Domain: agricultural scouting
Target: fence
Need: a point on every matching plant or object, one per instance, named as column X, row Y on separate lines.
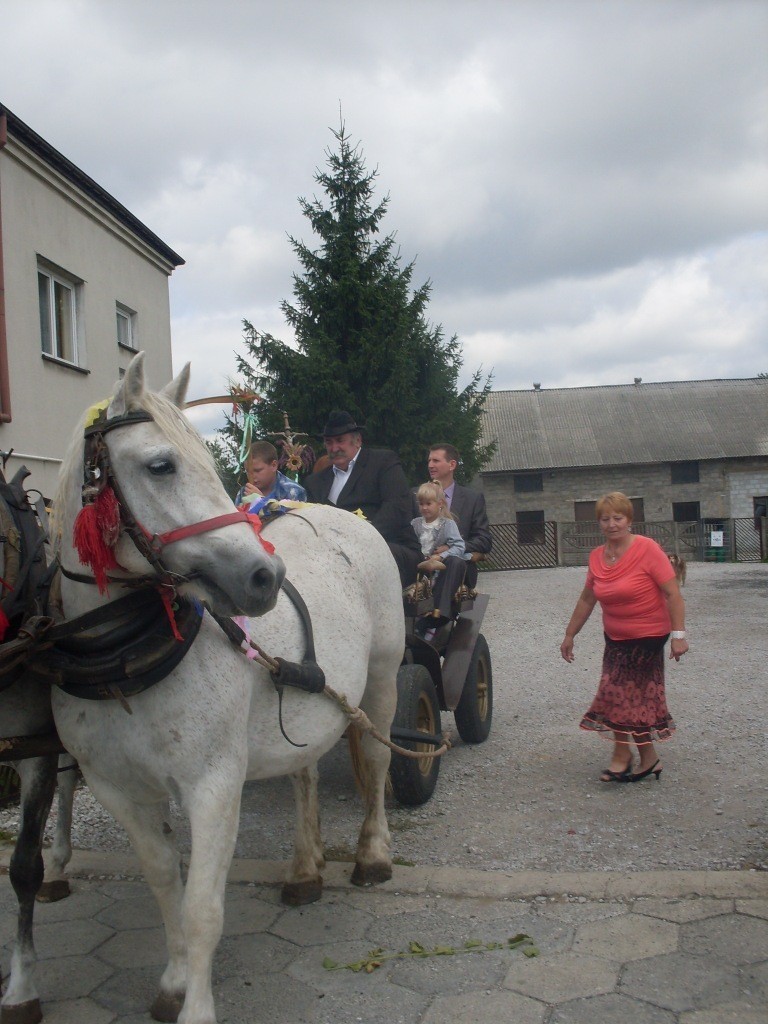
column 545, row 545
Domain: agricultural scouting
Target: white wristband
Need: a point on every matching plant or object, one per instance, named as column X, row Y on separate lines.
column 677, row 634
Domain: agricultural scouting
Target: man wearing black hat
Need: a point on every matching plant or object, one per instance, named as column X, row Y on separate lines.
column 371, row 481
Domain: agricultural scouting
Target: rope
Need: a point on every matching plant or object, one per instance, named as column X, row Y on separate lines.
column 357, row 717
column 361, row 721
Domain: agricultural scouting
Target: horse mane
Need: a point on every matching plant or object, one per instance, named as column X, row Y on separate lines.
column 174, row 426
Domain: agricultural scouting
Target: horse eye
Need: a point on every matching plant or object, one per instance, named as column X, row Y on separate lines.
column 162, row 467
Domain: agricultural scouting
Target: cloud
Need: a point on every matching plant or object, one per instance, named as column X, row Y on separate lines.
column 585, row 184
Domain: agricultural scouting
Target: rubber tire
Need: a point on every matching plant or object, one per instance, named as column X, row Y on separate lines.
column 474, row 712
column 414, row 781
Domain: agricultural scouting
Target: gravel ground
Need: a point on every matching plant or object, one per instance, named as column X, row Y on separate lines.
column 530, row 797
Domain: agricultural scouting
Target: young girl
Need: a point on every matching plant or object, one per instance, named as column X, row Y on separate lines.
column 442, row 547
column 436, row 528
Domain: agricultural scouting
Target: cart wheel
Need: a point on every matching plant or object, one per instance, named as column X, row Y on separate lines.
column 474, row 711
column 414, row 780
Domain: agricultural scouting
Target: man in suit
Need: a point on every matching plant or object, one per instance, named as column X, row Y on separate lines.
column 467, row 505
column 371, row 481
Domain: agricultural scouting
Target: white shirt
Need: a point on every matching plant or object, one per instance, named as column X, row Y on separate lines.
column 340, row 477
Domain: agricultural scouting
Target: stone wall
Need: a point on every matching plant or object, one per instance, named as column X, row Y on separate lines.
column 725, row 490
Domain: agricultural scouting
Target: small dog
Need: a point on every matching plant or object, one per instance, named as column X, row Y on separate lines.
column 678, row 564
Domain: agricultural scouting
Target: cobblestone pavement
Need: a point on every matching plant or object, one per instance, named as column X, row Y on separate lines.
column 659, row 947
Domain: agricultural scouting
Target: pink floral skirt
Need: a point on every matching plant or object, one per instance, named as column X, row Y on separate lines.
column 631, row 697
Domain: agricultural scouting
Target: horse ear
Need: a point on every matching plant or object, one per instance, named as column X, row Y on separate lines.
column 176, row 390
column 130, row 389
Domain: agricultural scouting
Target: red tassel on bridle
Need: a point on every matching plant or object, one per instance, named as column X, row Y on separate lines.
column 96, row 531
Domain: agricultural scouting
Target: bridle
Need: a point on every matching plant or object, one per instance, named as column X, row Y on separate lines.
column 98, row 475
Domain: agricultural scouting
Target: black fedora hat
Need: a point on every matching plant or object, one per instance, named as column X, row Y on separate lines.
column 340, row 422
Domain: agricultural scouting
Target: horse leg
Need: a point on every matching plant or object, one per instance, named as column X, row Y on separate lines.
column 149, row 829
column 55, row 884
column 304, row 883
column 373, row 859
column 214, row 815
column 20, row 1004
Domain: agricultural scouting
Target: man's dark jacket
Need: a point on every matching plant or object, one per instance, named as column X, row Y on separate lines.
column 469, row 508
column 378, row 487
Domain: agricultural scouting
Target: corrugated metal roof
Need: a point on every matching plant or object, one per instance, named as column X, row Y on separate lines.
column 626, row 424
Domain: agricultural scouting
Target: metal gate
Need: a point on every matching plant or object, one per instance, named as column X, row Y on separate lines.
column 522, row 546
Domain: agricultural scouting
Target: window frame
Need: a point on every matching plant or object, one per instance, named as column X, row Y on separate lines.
column 528, row 483
column 684, row 472
column 50, row 280
column 129, row 316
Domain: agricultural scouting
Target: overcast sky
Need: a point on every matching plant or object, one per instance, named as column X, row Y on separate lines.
column 584, row 182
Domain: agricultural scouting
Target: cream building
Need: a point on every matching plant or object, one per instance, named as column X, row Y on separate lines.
column 83, row 287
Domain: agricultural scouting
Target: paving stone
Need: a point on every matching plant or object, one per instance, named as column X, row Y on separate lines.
column 622, row 939
column 241, row 1001
column 83, row 903
column 753, row 908
column 682, row 910
column 582, row 913
column 252, row 955
column 140, row 912
column 680, row 981
column 69, row 938
column 248, row 913
column 442, row 926
column 457, row 974
column 307, row 966
column 736, row 939
column 754, row 982
column 386, row 903
column 77, row 1011
column 728, row 1013
column 610, row 1009
column 386, row 1004
column 129, row 991
column 489, row 1007
column 563, row 977
column 135, row 948
column 70, row 977
column 319, row 922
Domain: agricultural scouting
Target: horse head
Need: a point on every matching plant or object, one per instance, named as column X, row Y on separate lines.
column 167, row 513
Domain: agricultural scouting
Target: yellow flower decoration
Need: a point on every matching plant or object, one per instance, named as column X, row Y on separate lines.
column 95, row 410
column 360, row 514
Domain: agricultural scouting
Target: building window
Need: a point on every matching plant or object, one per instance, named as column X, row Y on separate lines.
column 126, row 327
column 530, row 527
column 760, row 509
column 525, row 483
column 684, row 472
column 58, row 297
column 686, row 511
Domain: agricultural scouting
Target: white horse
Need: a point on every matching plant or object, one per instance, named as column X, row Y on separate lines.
column 213, row 722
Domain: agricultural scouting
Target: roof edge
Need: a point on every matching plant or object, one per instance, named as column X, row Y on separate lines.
column 21, row 131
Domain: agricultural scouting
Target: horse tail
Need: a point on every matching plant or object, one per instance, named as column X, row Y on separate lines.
column 359, row 764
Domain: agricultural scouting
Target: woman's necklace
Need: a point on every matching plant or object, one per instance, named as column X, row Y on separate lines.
column 612, row 555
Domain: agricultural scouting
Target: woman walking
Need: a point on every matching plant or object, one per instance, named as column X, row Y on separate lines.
column 636, row 587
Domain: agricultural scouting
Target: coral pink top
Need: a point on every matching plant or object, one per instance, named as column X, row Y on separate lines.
column 629, row 591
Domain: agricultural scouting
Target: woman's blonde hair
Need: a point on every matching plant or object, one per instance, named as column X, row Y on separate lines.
column 614, row 502
column 433, row 491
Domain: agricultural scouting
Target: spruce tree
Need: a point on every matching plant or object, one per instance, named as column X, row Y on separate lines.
column 362, row 339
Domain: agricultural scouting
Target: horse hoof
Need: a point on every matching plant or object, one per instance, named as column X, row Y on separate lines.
column 22, row 1013
column 371, row 874
column 167, row 1007
column 52, row 892
column 298, row 894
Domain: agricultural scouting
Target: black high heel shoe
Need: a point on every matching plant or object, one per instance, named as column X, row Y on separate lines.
column 653, row 770
column 624, row 776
